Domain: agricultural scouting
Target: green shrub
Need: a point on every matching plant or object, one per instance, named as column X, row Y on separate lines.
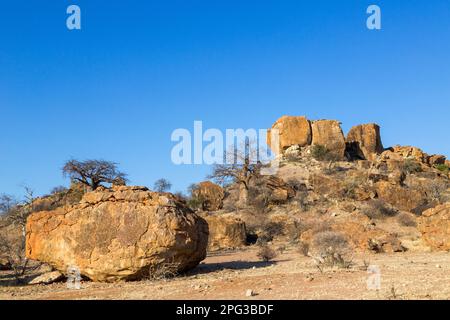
column 442, row 167
column 320, row 153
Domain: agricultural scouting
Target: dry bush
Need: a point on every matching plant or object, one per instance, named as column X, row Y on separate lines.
column 378, row 209
column 411, row 166
column 303, row 248
column 267, row 231
column 163, row 271
column 436, row 190
column 333, row 249
column 406, row 220
column 266, row 254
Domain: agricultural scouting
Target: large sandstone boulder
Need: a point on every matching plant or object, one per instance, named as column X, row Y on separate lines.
column 365, row 141
column 292, row 131
column 328, row 133
column 434, row 224
column 211, row 195
column 225, row 231
column 118, row 234
column 402, row 198
column 408, row 152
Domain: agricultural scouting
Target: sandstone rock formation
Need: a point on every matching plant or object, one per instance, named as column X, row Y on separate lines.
column 412, row 153
column 118, row 234
column 436, row 159
column 365, row 141
column 210, row 194
column 225, row 231
column 434, row 224
column 292, row 131
column 280, row 191
column 328, row 133
column 400, row 197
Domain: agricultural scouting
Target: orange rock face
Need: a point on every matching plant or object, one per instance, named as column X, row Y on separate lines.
column 400, row 197
column 118, row 234
column 411, row 152
column 328, row 133
column 211, row 194
column 292, row 131
column 434, row 224
column 366, row 140
column 225, row 231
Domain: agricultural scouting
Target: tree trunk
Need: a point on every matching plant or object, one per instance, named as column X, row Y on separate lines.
column 243, row 194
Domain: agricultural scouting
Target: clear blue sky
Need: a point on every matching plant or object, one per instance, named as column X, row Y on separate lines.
column 140, row 69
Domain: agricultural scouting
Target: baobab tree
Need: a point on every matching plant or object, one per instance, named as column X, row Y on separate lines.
column 93, row 173
column 241, row 165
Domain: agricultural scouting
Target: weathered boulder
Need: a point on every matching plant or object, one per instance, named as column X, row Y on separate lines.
column 365, row 141
column 434, row 224
column 280, row 191
column 118, row 234
column 436, row 159
column 210, row 194
column 402, row 198
column 328, row 133
column 292, row 131
column 408, row 152
column 47, row 278
column 225, row 231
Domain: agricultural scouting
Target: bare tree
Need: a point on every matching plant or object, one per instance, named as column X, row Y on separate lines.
column 93, row 173
column 12, row 243
column 162, row 185
column 7, row 202
column 241, row 165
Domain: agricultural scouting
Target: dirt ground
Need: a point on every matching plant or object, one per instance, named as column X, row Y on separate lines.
column 228, row 275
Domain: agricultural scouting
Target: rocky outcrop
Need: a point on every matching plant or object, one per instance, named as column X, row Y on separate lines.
column 292, row 131
column 436, row 159
column 118, row 234
column 402, row 198
column 210, row 194
column 361, row 234
column 280, row 191
column 364, row 141
column 408, row 152
column 328, row 133
column 225, row 231
column 434, row 224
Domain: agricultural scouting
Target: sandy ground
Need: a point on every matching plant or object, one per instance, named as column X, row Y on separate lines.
column 228, row 275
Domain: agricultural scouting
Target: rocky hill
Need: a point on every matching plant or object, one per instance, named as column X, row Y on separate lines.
column 333, row 196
